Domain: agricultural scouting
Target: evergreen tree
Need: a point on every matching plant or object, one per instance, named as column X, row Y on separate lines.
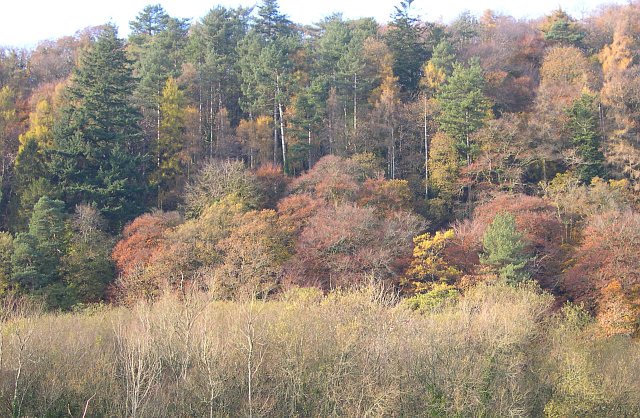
column 463, row 107
column 266, row 68
column 213, row 50
column 95, row 156
column 30, row 166
column 559, row 27
column 409, row 49
column 157, row 44
column 37, row 253
column 585, row 138
column 504, row 249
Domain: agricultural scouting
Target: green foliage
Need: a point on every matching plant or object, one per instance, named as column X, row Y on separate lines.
column 586, row 138
column 87, row 265
column 95, row 156
column 37, row 253
column 504, row 249
column 463, row 107
column 405, row 40
column 6, row 252
column 561, row 28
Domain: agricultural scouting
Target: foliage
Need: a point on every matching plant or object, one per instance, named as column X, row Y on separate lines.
column 438, row 296
column 463, row 107
column 428, row 267
column 504, row 249
column 95, row 156
column 586, row 139
column 217, row 179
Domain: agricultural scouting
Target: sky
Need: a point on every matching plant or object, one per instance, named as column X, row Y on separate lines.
column 25, row 22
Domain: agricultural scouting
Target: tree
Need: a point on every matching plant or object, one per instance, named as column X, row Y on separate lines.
column 463, row 107
column 428, row 266
column 95, row 156
column 37, row 253
column 8, row 133
column 504, row 249
column 444, row 169
column 87, row 266
column 559, row 27
column 605, row 276
column 405, row 40
column 213, row 50
column 254, row 253
column 6, row 252
column 266, row 68
column 170, row 146
column 217, row 180
column 31, row 163
column 583, row 124
column 141, row 238
column 157, row 44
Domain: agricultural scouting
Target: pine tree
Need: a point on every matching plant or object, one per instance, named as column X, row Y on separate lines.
column 37, row 253
column 95, row 156
column 504, row 249
column 266, row 68
column 585, row 138
column 463, row 107
column 405, row 41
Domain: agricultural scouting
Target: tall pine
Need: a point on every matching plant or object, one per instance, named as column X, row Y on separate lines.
column 96, row 147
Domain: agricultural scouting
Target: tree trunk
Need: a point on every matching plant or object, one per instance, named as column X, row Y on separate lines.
column 426, row 152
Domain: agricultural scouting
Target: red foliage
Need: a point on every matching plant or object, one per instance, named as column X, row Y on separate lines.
column 141, row 239
column 294, row 211
column 331, row 178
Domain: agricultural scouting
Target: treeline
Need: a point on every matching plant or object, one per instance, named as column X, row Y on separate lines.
column 245, row 154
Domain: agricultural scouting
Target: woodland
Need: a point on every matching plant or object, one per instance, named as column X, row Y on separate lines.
column 240, row 215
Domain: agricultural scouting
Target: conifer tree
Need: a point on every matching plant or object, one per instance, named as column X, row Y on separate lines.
column 37, row 253
column 585, row 138
column 504, row 249
column 95, row 156
column 405, row 41
column 464, row 107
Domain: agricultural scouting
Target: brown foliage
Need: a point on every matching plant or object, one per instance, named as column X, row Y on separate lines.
column 271, row 183
column 606, row 271
column 345, row 245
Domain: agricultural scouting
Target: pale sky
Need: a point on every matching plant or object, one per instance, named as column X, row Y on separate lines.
column 25, row 22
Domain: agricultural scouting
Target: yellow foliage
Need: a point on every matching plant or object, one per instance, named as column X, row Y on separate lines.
column 617, row 56
column 433, row 77
column 428, row 265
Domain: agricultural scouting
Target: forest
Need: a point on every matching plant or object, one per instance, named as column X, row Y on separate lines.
column 240, row 215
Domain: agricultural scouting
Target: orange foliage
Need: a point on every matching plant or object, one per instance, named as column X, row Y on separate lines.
column 141, row 239
column 386, row 195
